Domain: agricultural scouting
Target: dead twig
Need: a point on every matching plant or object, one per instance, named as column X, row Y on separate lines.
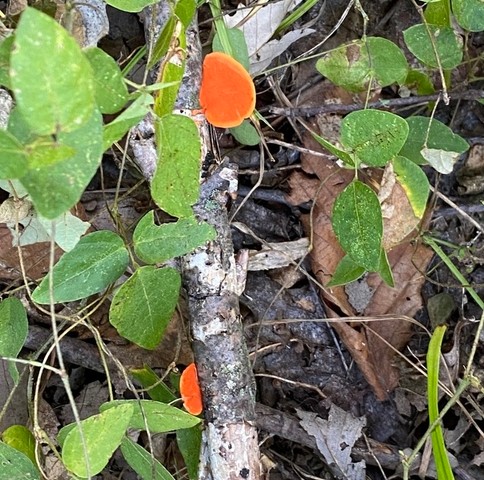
column 383, row 104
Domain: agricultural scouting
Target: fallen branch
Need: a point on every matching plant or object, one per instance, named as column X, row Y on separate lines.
column 384, row 104
column 230, row 450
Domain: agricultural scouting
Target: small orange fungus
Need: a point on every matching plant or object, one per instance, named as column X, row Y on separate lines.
column 227, row 94
column 190, row 390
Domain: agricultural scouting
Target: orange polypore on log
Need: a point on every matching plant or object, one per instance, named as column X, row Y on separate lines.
column 227, row 94
column 190, row 390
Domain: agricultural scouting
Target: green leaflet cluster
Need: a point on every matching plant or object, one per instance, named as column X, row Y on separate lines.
column 49, row 152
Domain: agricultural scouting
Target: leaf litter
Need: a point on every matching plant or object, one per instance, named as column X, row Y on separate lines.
column 298, row 348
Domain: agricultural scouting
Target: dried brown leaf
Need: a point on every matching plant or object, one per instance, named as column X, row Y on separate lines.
column 35, row 258
column 399, row 219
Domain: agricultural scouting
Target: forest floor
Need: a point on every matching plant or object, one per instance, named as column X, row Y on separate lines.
column 311, row 389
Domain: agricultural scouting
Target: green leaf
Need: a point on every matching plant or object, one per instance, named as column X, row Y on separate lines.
column 102, row 435
column 237, row 42
column 19, row 127
column 151, row 382
column 358, row 224
column 385, row 270
column 159, row 417
column 143, row 306
column 51, row 79
column 144, row 464
column 373, row 136
column 46, row 152
column 347, row 271
column 341, row 154
column 430, row 133
column 13, row 331
column 469, row 14
column 13, row 157
column 175, row 185
column 16, row 465
column 111, row 92
column 246, row 134
column 5, row 51
column 447, row 44
column 185, row 10
column 55, row 188
column 354, row 65
column 163, row 41
column 189, row 442
column 130, row 5
column 115, row 130
column 419, row 82
column 156, row 244
column 98, row 260
column 22, row 439
column 415, row 183
column 442, row 463
column 438, row 13
column 172, row 74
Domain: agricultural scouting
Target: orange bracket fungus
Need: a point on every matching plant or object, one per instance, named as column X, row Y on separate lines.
column 190, row 390
column 227, row 94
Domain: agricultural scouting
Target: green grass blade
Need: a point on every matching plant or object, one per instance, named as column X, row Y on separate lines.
column 442, row 464
column 296, row 15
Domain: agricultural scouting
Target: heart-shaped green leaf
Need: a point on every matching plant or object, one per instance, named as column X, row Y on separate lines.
column 354, row 65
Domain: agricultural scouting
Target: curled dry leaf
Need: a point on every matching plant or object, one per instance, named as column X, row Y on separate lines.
column 335, row 438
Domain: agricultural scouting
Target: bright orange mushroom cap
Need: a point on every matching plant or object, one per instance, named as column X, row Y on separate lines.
column 227, row 94
column 190, row 390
